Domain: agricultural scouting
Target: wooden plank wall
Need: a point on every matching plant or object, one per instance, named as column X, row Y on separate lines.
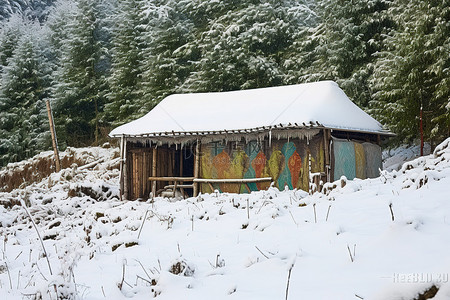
column 139, row 167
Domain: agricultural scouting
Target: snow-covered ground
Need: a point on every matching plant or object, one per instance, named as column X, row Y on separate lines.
column 383, row 238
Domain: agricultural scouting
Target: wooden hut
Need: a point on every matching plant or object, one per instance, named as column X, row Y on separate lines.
column 241, row 141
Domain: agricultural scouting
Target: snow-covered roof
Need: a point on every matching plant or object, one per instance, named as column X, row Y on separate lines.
column 317, row 104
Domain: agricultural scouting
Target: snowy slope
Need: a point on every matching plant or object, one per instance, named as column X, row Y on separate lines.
column 340, row 245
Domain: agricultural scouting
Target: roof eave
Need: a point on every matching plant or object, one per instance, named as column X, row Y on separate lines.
column 311, row 125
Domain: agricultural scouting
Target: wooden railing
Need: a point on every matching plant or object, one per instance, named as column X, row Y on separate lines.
column 209, row 181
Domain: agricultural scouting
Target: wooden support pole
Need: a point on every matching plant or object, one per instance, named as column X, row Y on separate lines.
column 175, row 183
column 121, row 168
column 326, row 144
column 125, row 170
column 154, row 156
column 181, row 162
column 53, row 132
column 196, row 168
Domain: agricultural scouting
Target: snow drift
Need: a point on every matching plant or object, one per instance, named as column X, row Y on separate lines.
column 383, row 238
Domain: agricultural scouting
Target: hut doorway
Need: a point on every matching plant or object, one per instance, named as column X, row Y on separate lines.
column 185, row 162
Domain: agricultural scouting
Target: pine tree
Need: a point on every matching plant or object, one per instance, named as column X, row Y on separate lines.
column 33, row 9
column 25, row 86
column 80, row 84
column 168, row 54
column 342, row 45
column 243, row 46
column 414, row 71
column 125, row 95
column 10, row 32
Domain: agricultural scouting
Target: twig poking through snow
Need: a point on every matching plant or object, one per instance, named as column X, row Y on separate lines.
column 143, row 221
column 350, row 253
column 392, row 212
column 37, row 231
column 261, row 252
column 9, row 275
column 293, row 218
column 315, row 215
column 328, row 212
column 289, row 279
column 123, row 276
column 144, row 269
column 248, row 210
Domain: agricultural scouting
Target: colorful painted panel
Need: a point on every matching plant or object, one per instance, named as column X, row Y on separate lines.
column 360, row 161
column 373, row 160
column 344, row 159
column 286, row 161
column 353, row 159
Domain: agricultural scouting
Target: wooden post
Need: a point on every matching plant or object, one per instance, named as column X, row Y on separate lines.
column 196, row 167
column 54, row 140
column 125, row 171
column 154, row 156
column 326, row 143
column 181, row 162
column 121, row 168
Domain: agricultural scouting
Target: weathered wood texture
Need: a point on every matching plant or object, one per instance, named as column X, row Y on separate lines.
column 233, row 180
column 53, row 133
column 196, row 168
column 144, row 163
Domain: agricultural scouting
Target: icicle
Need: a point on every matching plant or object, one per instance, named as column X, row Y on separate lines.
column 270, row 138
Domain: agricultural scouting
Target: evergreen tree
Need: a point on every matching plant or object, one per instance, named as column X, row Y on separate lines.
column 33, row 9
column 168, row 54
column 414, row 71
column 342, row 45
column 80, row 84
column 10, row 32
column 243, row 44
column 125, row 96
column 24, row 89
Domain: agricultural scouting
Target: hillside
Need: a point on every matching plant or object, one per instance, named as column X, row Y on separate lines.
column 382, row 238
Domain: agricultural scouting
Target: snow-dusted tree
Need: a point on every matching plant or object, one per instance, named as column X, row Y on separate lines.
column 125, row 95
column 24, row 89
column 342, row 45
column 243, row 43
column 167, row 58
column 414, row 71
column 33, row 9
column 10, row 32
column 80, row 83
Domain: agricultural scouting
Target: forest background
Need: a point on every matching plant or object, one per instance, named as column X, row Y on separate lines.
column 102, row 63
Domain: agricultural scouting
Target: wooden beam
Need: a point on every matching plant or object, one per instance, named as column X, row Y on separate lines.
column 181, row 186
column 232, row 180
column 170, row 178
column 196, row 168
